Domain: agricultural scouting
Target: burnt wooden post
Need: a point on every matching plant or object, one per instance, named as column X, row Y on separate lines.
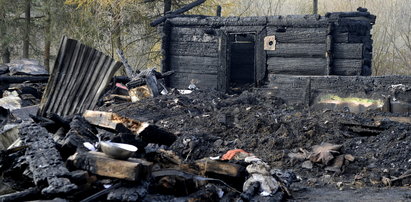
column 315, row 6
column 329, row 53
column 177, row 12
column 260, row 57
column 218, row 13
column 223, row 71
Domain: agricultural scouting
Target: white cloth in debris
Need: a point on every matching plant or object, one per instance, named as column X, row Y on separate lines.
column 260, row 172
column 10, row 100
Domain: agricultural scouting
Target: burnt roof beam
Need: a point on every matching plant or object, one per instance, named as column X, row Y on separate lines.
column 176, row 12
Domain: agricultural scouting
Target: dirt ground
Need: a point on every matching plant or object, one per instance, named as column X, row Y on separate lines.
column 214, row 123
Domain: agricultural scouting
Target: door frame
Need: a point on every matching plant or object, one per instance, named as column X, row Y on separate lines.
column 260, row 57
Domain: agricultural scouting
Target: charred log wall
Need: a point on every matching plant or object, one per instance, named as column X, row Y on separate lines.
column 335, row 44
column 352, row 43
column 193, row 55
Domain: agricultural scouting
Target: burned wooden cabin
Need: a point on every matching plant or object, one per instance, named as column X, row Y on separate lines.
column 221, row 52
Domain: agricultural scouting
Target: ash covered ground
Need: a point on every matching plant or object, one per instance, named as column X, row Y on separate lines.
column 211, row 123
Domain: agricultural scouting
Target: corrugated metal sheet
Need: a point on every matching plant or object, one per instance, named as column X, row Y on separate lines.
column 79, row 77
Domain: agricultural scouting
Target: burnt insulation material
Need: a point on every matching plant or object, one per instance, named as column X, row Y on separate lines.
column 79, row 77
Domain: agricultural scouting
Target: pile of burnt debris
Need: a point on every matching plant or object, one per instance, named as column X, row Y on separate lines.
column 75, row 158
column 56, row 148
column 84, row 135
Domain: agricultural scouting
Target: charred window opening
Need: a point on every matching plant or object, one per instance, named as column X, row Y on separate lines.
column 242, row 59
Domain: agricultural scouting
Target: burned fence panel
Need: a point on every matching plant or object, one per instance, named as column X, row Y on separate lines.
column 79, row 76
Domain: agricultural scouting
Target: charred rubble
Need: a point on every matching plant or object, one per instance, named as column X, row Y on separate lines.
column 81, row 134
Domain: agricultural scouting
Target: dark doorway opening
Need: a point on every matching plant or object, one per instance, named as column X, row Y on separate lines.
column 242, row 59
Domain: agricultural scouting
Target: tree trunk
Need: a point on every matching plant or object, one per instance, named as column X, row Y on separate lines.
column 4, row 48
column 167, row 6
column 116, row 34
column 26, row 40
column 5, row 54
column 47, row 40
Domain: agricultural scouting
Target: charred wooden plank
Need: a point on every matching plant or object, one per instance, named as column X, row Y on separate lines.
column 347, row 37
column 194, row 49
column 298, row 35
column 21, row 79
column 149, row 133
column 348, row 50
column 100, row 164
column 297, row 66
column 298, row 21
column 129, row 71
column 223, row 70
column 27, row 194
column 217, row 21
column 298, row 50
column 42, row 155
column 182, row 80
column 45, row 161
column 141, row 81
column 347, row 67
column 194, row 64
column 221, row 168
column 260, row 57
column 192, row 34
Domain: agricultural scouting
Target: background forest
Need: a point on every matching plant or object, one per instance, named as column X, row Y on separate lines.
column 33, row 28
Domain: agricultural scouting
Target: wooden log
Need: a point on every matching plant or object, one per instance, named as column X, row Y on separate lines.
column 148, row 132
column 221, row 168
column 24, row 195
column 141, row 81
column 151, row 82
column 45, row 161
column 193, row 34
column 129, row 71
column 42, row 155
column 182, row 80
column 194, row 49
column 112, row 121
column 21, row 79
column 313, row 21
column 348, row 50
column 217, row 21
column 100, row 164
column 298, row 35
column 177, row 12
column 297, row 66
column 128, row 193
column 347, row 67
column 346, row 37
column 193, row 64
column 298, row 50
